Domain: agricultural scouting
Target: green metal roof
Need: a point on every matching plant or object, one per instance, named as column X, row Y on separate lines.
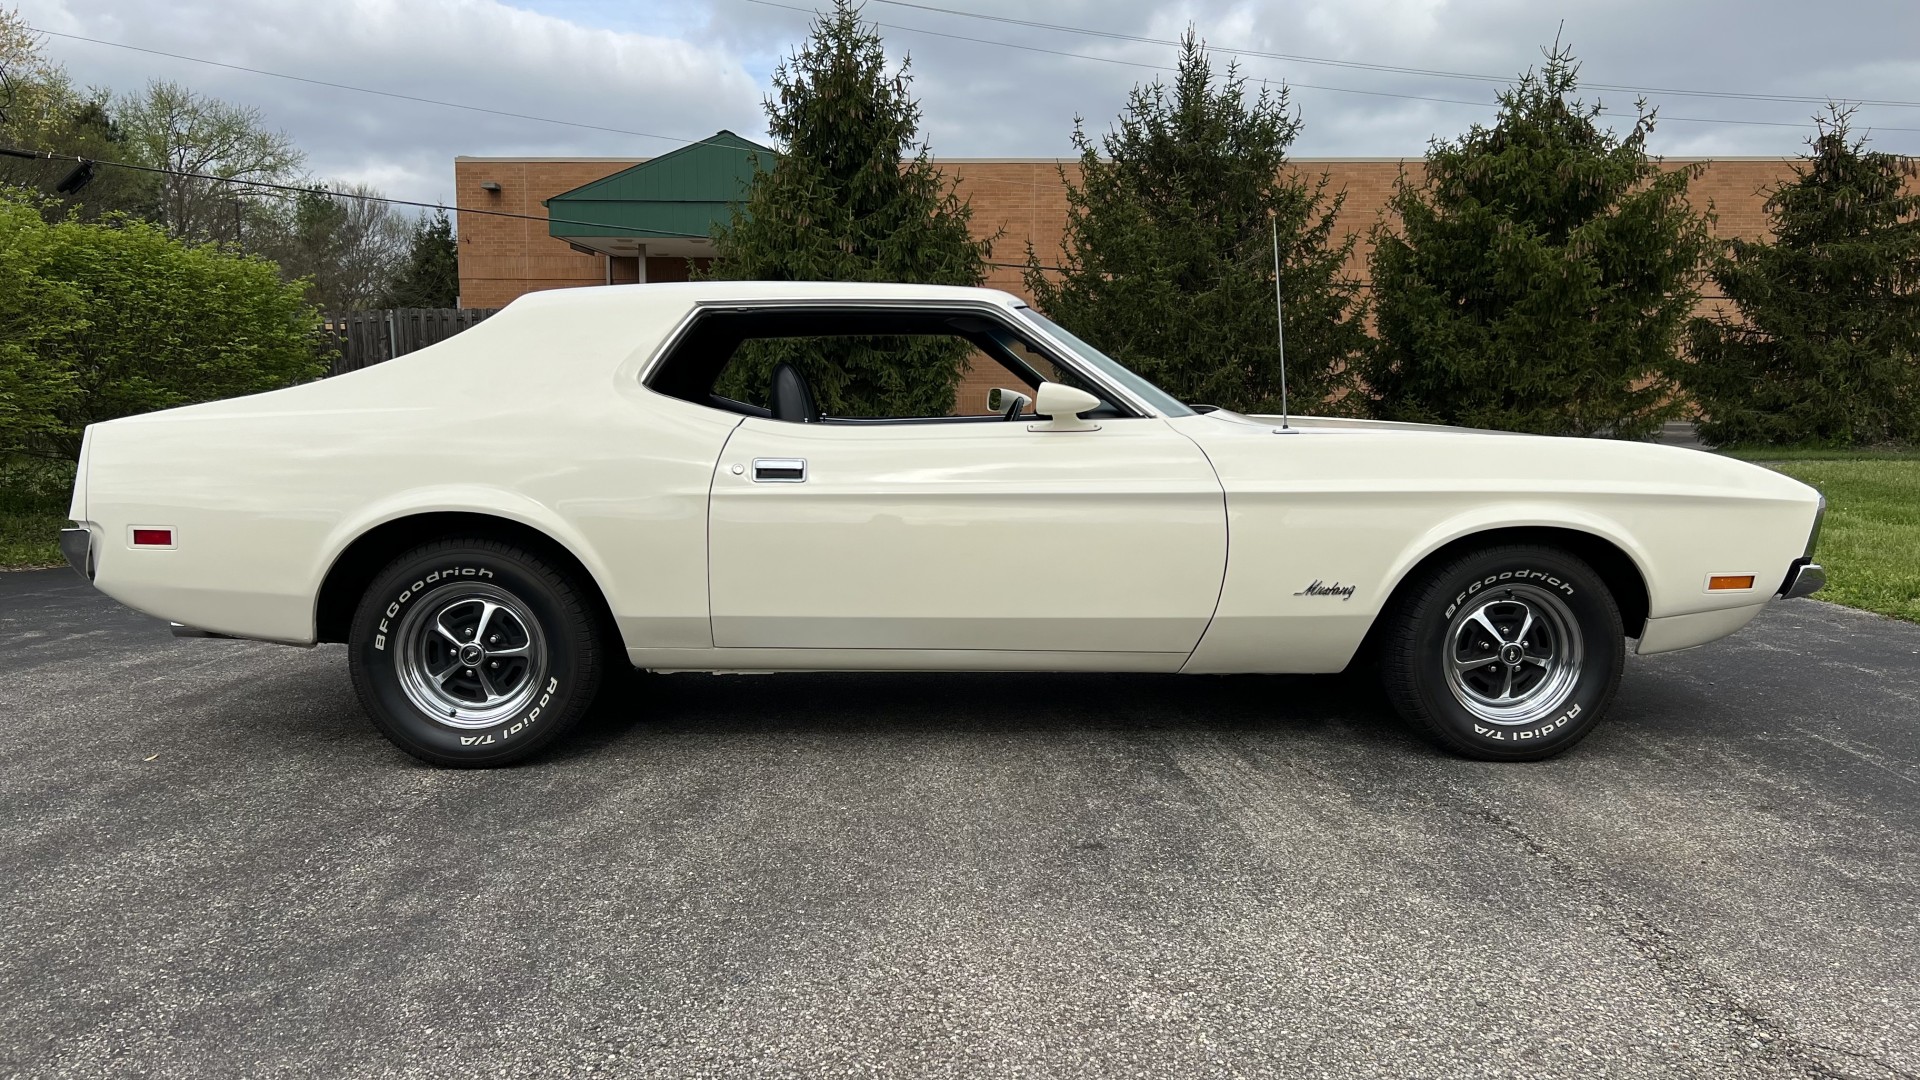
column 682, row 193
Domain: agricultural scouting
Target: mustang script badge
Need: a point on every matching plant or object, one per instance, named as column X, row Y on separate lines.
column 1320, row 588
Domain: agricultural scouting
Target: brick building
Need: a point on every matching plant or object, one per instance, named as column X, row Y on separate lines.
column 597, row 221
column 634, row 219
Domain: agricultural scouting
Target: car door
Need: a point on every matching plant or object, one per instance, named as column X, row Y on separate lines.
column 934, row 537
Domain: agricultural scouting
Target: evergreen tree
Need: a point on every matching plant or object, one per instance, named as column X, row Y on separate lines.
column 430, row 276
column 1168, row 255
column 845, row 202
column 1541, row 273
column 1825, row 344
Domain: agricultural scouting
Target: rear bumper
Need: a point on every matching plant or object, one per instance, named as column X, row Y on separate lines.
column 1804, row 578
column 77, row 545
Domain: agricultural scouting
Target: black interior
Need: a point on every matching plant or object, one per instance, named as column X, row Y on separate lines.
column 790, row 397
column 690, row 370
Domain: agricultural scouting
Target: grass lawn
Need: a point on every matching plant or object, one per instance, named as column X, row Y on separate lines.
column 1871, row 543
column 1776, row 455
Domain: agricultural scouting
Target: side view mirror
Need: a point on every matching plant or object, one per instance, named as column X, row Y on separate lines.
column 1063, row 405
column 1010, row 403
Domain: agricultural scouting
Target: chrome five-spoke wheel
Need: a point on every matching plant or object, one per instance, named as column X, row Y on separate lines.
column 470, row 654
column 1513, row 654
column 473, row 652
column 1509, row 653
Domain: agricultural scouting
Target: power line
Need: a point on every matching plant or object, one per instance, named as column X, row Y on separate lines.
column 1115, row 35
column 39, row 155
column 7, row 96
column 959, row 171
column 1802, row 125
column 1117, row 60
column 367, row 90
column 682, row 142
column 685, row 142
column 1796, row 98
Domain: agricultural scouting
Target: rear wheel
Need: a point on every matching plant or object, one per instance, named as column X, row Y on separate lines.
column 1507, row 654
column 475, row 653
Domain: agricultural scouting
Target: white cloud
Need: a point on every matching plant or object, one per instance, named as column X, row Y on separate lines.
column 476, row 52
column 688, row 67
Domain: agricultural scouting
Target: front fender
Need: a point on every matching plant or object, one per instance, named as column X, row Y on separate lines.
column 1518, row 514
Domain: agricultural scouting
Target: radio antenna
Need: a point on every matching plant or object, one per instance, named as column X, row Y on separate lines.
column 1280, row 327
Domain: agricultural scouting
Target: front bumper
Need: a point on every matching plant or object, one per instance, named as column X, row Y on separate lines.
column 77, row 545
column 1804, row 578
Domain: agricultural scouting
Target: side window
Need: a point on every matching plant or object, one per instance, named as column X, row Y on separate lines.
column 819, row 365
column 871, row 376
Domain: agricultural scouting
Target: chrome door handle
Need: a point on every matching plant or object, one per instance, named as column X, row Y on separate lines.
column 779, row 470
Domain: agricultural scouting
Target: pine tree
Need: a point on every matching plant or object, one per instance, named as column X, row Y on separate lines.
column 1824, row 346
column 1541, row 273
column 430, row 276
column 1168, row 257
column 844, row 201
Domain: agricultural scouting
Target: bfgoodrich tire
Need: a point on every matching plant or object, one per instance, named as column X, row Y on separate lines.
column 1507, row 654
column 474, row 653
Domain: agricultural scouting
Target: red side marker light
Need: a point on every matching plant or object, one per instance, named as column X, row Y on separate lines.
column 153, row 538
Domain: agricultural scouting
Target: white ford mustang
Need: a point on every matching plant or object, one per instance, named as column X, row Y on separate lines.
column 496, row 524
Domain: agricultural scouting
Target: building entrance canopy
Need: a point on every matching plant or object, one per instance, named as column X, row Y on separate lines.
column 665, row 207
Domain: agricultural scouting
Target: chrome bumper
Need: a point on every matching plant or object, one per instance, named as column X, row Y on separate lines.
column 1805, row 578
column 77, row 546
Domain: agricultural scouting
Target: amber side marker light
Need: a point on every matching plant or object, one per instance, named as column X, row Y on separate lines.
column 1726, row 582
column 153, row 538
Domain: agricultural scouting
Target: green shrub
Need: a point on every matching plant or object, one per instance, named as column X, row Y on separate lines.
column 102, row 320
column 34, row 493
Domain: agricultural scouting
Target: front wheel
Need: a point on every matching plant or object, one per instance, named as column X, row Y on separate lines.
column 1507, row 654
column 474, row 653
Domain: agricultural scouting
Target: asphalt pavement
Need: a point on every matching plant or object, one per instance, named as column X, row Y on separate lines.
column 211, row 865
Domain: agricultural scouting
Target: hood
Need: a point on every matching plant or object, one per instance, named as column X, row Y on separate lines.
column 1404, row 451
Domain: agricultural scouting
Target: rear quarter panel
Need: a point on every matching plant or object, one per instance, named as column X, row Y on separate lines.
column 536, row 416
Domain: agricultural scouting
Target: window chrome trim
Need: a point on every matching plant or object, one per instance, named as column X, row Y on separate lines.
column 1003, row 313
column 1061, row 346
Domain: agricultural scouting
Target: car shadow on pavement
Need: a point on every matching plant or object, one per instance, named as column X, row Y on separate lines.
column 847, row 703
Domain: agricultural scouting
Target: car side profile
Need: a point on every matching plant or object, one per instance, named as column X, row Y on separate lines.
column 643, row 476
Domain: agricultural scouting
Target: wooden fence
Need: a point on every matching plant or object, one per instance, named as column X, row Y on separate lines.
column 355, row 339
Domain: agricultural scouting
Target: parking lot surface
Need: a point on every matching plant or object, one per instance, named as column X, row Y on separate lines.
column 213, row 866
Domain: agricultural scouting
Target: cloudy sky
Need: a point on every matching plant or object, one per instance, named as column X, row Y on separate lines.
column 637, row 77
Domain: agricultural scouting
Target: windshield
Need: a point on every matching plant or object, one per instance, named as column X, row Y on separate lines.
column 1106, row 365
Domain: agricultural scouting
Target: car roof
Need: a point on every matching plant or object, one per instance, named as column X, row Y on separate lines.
column 692, row 292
